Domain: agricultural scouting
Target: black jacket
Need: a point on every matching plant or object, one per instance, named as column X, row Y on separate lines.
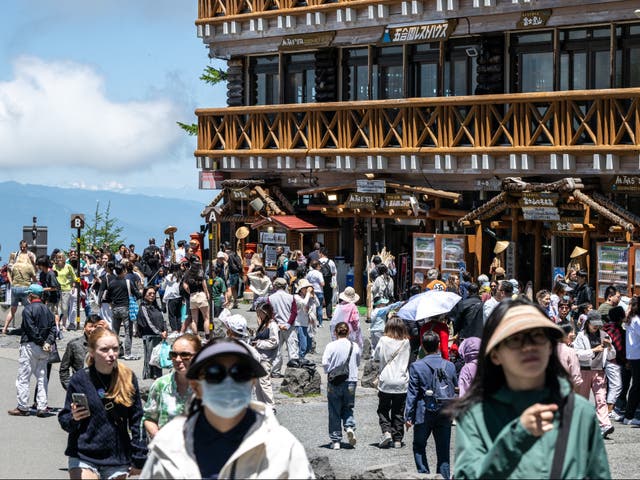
column 38, row 324
column 118, row 294
column 150, row 320
column 74, row 357
column 467, row 317
column 583, row 294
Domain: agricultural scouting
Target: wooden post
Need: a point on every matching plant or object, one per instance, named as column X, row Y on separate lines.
column 514, row 239
column 358, row 253
column 478, row 249
column 586, row 238
column 537, row 257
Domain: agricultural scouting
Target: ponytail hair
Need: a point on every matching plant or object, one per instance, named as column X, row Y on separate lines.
column 121, row 389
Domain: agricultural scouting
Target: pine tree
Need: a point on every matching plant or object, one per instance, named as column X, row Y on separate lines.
column 103, row 230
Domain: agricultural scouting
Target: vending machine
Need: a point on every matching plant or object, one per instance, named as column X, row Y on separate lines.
column 447, row 253
column 618, row 264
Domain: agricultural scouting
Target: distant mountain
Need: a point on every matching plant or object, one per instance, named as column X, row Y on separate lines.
column 140, row 216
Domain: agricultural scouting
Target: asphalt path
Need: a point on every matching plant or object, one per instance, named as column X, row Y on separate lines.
column 34, row 447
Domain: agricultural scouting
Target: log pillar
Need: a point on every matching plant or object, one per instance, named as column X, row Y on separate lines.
column 478, row 249
column 358, row 268
column 514, row 239
column 537, row 257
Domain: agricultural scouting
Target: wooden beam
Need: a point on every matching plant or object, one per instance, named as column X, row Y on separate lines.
column 269, row 201
column 425, row 190
column 537, row 255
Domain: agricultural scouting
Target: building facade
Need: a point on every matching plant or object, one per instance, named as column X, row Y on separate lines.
column 449, row 96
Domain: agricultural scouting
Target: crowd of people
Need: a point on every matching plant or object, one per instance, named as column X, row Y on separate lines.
column 503, row 363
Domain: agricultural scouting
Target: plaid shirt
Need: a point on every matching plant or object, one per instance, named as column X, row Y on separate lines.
column 617, row 339
column 164, row 402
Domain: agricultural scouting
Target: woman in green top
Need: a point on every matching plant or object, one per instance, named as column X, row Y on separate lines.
column 509, row 420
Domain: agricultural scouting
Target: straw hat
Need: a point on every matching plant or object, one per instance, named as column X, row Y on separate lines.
column 577, row 252
column 302, row 283
column 349, row 295
column 501, row 246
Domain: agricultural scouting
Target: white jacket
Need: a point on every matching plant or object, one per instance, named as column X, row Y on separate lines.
column 587, row 357
column 393, row 373
column 268, row 451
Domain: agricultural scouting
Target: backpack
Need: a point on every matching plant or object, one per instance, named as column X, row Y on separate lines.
column 325, row 269
column 52, row 280
column 441, row 386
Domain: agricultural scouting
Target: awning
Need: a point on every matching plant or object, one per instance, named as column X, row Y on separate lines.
column 290, row 222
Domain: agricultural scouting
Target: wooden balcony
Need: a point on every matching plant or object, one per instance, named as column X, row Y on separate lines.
column 572, row 122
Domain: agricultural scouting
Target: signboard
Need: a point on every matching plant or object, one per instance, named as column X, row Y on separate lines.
column 370, row 186
column 423, row 32
column 276, row 238
column 567, row 224
column 626, row 183
column 489, row 184
column 541, row 199
column 210, row 215
column 238, row 195
column 306, row 41
column 534, row 19
column 362, row 200
column 77, row 220
column 540, row 213
column 400, row 201
column 209, row 180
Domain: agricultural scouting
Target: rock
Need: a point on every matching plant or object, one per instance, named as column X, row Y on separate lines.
column 299, row 382
column 369, row 374
column 366, row 349
column 322, row 468
column 393, row 470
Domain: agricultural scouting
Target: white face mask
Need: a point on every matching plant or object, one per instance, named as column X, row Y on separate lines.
column 227, row 398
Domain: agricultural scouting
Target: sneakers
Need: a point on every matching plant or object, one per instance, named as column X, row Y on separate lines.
column 397, row 444
column 351, row 437
column 607, row 430
column 335, row 446
column 618, row 417
column 634, row 422
column 385, row 440
column 131, row 357
column 16, row 412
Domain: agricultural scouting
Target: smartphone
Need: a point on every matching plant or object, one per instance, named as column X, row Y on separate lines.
column 80, row 399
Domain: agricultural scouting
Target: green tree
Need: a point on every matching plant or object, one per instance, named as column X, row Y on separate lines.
column 101, row 230
column 211, row 76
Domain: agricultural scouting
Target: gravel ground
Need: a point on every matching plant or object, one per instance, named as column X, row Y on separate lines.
column 307, row 420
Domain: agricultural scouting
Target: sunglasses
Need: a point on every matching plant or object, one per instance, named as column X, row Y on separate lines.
column 238, row 372
column 183, row 355
column 536, row 336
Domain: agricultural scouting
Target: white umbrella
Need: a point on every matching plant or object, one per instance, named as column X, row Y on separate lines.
column 428, row 304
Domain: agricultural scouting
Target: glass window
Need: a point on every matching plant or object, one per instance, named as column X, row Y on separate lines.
column 264, row 81
column 425, row 71
column 460, row 69
column 532, row 61
column 355, row 74
column 300, row 78
column 585, row 58
column 387, row 75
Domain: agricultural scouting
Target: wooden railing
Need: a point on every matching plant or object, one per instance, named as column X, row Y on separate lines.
column 214, row 11
column 585, row 121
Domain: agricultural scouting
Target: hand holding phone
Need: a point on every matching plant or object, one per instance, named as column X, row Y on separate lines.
column 80, row 399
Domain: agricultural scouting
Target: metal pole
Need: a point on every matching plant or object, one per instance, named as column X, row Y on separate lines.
column 79, row 282
column 211, row 266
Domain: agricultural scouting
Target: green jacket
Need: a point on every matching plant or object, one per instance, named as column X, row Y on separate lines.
column 492, row 443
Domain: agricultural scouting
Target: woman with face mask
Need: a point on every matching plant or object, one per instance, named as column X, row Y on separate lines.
column 225, row 434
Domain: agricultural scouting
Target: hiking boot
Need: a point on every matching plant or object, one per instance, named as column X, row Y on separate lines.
column 385, row 440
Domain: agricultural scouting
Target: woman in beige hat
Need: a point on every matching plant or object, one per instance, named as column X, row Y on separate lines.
column 498, row 260
column 346, row 311
column 508, row 422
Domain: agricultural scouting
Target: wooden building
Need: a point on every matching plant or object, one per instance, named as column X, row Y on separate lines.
column 448, row 95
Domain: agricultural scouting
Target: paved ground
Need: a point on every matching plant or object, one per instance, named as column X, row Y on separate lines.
column 34, row 447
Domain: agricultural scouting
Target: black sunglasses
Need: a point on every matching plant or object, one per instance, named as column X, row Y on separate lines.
column 183, row 355
column 238, row 372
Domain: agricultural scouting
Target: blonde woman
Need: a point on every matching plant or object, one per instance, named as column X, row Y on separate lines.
column 102, row 414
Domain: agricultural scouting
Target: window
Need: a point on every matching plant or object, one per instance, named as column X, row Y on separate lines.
column 424, row 69
column 387, row 74
column 355, row 76
column 460, row 69
column 300, row 78
column 585, row 59
column 264, row 81
column 532, row 59
column 628, row 57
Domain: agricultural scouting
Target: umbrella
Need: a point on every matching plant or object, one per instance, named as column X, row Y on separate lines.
column 428, row 304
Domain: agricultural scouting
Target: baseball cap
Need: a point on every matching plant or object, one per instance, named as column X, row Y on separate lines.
column 35, row 289
column 594, row 318
column 221, row 255
column 237, row 324
column 219, row 347
column 279, row 282
column 518, row 319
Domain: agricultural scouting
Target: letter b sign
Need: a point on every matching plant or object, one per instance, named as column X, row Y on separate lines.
column 77, row 220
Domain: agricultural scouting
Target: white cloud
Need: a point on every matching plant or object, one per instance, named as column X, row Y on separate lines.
column 56, row 114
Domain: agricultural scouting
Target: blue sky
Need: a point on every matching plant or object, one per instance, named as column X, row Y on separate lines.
column 90, row 91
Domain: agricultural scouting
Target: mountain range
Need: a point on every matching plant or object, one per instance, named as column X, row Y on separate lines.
column 140, row 216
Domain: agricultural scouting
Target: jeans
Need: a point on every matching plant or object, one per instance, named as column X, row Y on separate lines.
column 320, row 297
column 19, row 295
column 614, row 380
column 121, row 317
column 391, row 414
column 304, row 341
column 340, row 400
column 634, row 391
column 440, row 426
column 621, row 404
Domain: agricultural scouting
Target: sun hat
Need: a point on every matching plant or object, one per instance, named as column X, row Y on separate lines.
column 518, row 319
column 349, row 295
column 500, row 271
column 501, row 246
column 221, row 255
column 302, row 283
column 577, row 252
column 237, row 324
column 380, row 301
column 35, row 289
column 210, row 352
column 280, row 282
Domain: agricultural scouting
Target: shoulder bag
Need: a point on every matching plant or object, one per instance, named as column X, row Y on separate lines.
column 395, row 354
column 563, row 437
column 340, row 374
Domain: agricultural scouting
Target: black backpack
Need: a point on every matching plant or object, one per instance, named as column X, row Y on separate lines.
column 325, row 269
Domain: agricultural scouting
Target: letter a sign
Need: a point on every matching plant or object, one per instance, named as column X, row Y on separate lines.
column 77, row 220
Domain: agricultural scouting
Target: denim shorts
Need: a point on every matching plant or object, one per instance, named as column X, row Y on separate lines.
column 103, row 471
column 19, row 295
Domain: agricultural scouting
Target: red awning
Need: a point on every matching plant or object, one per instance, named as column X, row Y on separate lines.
column 290, row 222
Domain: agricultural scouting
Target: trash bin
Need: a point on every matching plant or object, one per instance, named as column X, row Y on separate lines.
column 349, row 281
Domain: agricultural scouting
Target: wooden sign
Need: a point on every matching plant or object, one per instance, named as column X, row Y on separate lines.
column 362, row 200
column 77, row 220
column 306, row 41
column 626, row 183
column 370, row 186
column 534, row 19
column 398, row 200
column 540, row 213
column 238, row 195
column 424, row 32
column 538, row 199
column 276, row 238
